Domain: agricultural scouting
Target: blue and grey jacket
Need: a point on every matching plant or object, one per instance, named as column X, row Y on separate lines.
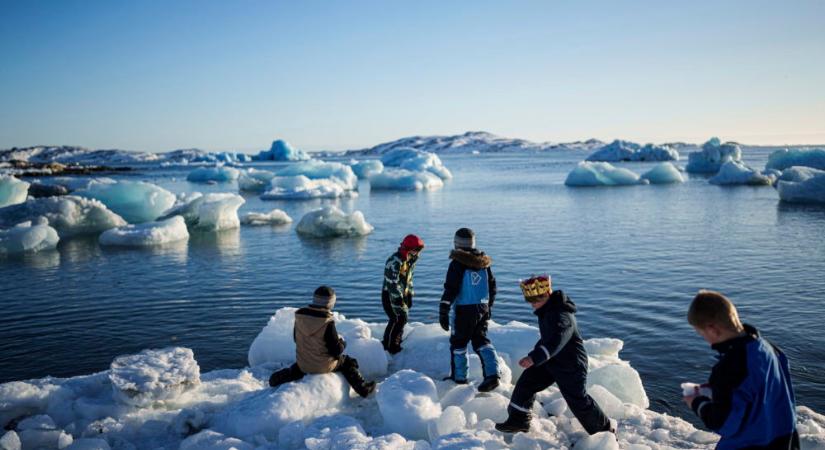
column 752, row 405
column 470, row 280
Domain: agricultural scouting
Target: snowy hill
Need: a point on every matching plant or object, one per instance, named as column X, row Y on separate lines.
column 66, row 154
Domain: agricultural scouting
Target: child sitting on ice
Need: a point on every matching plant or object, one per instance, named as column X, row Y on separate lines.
column 558, row 357
column 318, row 347
column 751, row 400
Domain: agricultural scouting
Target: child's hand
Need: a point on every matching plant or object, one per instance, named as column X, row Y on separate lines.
column 526, row 362
column 688, row 399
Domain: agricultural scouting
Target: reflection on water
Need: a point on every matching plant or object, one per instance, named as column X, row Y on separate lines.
column 334, row 249
column 226, row 242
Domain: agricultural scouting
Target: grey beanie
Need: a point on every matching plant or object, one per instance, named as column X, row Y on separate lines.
column 324, row 297
column 464, row 239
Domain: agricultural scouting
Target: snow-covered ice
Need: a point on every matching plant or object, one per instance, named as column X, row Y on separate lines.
column 330, row 222
column 281, row 151
column 274, row 217
column 168, row 405
column 801, row 185
column 367, row 168
column 663, row 173
column 783, row 159
column 405, row 180
column 134, row 201
column 300, row 187
column 601, row 174
column 416, row 161
column 210, row 212
column 620, row 150
column 712, row 156
column 69, row 215
column 12, row 190
column 318, row 170
column 736, row 172
column 254, row 180
column 26, row 237
column 147, row 234
column 219, row 174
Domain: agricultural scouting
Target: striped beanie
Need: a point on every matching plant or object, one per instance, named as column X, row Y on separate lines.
column 464, row 239
column 324, row 297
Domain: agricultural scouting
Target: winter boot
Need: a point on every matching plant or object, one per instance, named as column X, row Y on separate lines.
column 349, row 368
column 365, row 389
column 286, row 375
column 488, row 384
column 517, row 422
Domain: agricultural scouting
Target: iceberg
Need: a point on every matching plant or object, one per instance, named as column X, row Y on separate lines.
column 69, row 215
column 416, row 161
column 736, row 172
column 300, row 187
column 254, row 180
column 274, row 217
column 405, row 180
column 134, row 201
column 365, row 169
column 281, row 151
column 783, row 159
column 712, row 156
column 619, row 150
column 220, row 174
column 12, row 191
column 331, row 222
column 26, row 237
column 801, row 185
column 153, row 376
column 210, row 212
column 663, row 173
column 320, row 170
column 601, row 174
column 147, row 234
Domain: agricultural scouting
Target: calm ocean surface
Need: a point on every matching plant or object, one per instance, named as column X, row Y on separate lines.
column 630, row 257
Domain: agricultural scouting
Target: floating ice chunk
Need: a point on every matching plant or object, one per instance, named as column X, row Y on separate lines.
column 366, row 169
column 10, row 441
column 210, row 212
column 281, row 151
column 219, row 174
column 408, row 402
column 330, row 222
column 69, row 215
column 211, row 440
column 153, row 376
column 783, row 159
column 135, row 201
column 736, row 172
column 415, row 161
column 89, row 444
column 801, row 185
column 300, row 188
column 712, row 156
column 274, row 217
column 12, row 191
column 619, row 150
column 28, row 238
column 663, row 173
column 318, row 170
column 147, row 234
column 601, row 174
column 405, row 180
column 254, row 180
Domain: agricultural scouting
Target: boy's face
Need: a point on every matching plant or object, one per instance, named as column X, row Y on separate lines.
column 540, row 303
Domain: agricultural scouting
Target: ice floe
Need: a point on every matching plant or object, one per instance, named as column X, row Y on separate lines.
column 663, row 173
column 736, row 172
column 147, row 234
column 220, row 174
column 712, row 156
column 801, row 185
column 300, row 187
column 26, row 237
column 281, row 151
column 12, row 190
column 405, row 180
column 416, row 161
column 321, row 170
column 69, row 215
column 367, row 168
column 601, row 174
column 274, row 217
column 254, row 180
column 210, row 212
column 134, row 201
column 783, row 159
column 329, row 222
column 620, row 150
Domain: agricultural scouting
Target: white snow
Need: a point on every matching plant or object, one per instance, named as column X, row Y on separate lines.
column 712, row 156
column 619, row 150
column 367, row 168
column 801, row 185
column 274, row 217
column 300, row 187
column 281, row 151
column 210, row 212
column 154, row 400
column 27, row 238
column 601, row 174
column 736, row 172
column 12, row 191
column 69, row 215
column 405, row 180
column 134, row 201
column 329, row 222
column 416, row 161
column 254, row 180
column 783, row 159
column 663, row 173
column 320, row 170
column 147, row 234
column 218, row 174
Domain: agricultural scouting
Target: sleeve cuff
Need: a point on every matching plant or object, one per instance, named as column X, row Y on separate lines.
column 698, row 403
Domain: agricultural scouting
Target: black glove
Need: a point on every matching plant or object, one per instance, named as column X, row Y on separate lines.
column 408, row 300
column 444, row 316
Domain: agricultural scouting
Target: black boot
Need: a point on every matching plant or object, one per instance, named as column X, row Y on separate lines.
column 292, row 373
column 349, row 368
column 517, row 422
column 488, row 384
column 365, row 389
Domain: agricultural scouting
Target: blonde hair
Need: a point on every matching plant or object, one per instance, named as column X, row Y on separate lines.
column 713, row 308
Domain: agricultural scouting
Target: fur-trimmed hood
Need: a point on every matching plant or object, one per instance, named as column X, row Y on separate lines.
column 473, row 259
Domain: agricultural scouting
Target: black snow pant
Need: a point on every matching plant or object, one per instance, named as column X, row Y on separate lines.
column 572, row 386
column 348, row 368
column 395, row 325
column 469, row 325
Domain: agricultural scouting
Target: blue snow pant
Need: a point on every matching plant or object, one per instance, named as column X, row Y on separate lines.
column 469, row 324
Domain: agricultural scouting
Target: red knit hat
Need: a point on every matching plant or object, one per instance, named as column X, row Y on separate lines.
column 410, row 242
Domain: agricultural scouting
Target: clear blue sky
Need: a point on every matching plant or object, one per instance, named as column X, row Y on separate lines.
column 220, row 75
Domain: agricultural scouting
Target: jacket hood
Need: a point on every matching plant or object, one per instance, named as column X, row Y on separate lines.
column 558, row 301
column 473, row 259
column 751, row 333
column 317, row 318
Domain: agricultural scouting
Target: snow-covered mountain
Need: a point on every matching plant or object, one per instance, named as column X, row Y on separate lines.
column 80, row 155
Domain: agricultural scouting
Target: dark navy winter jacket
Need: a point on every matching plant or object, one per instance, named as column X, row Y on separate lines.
column 560, row 344
column 752, row 405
